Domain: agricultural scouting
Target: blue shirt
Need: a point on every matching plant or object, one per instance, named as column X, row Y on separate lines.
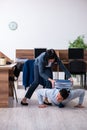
column 52, row 94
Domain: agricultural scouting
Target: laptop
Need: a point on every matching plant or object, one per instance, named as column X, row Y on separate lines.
column 61, row 83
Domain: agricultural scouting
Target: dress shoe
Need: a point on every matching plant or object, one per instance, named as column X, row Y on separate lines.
column 48, row 103
column 24, row 103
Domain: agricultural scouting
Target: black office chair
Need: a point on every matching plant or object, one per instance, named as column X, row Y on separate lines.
column 38, row 51
column 12, row 89
column 13, row 76
column 77, row 65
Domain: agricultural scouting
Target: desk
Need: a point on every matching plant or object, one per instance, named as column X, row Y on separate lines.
column 4, row 84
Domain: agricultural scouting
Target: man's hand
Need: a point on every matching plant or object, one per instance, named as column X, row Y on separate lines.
column 42, row 106
column 79, row 106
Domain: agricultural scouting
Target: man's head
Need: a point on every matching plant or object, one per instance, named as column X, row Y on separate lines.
column 63, row 94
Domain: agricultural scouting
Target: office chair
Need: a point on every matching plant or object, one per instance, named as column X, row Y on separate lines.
column 77, row 65
column 38, row 51
column 13, row 76
column 12, row 89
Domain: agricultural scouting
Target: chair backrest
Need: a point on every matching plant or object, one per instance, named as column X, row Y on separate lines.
column 75, row 53
column 77, row 67
column 77, row 64
column 38, row 51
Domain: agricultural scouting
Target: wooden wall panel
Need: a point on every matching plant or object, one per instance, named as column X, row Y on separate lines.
column 25, row 53
column 57, row 52
column 63, row 54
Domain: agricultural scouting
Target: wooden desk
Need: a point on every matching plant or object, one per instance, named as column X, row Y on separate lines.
column 4, row 84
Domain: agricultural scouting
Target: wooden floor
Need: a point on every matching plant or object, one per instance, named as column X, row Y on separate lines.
column 18, row 117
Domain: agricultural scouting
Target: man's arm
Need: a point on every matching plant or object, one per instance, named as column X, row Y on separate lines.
column 41, row 93
column 76, row 93
column 81, row 98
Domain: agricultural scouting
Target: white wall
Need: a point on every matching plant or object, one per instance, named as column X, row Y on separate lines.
column 41, row 23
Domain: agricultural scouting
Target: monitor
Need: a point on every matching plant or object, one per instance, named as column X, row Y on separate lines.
column 76, row 53
column 38, row 51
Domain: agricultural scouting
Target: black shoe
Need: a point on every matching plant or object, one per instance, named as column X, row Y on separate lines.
column 48, row 103
column 25, row 104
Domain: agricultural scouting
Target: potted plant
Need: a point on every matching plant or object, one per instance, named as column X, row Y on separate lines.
column 78, row 43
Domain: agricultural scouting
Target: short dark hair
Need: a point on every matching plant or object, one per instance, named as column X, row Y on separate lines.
column 64, row 93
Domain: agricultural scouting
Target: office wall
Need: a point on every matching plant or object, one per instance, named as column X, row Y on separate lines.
column 41, row 23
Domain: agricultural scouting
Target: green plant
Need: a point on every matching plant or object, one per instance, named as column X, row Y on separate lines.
column 78, row 43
